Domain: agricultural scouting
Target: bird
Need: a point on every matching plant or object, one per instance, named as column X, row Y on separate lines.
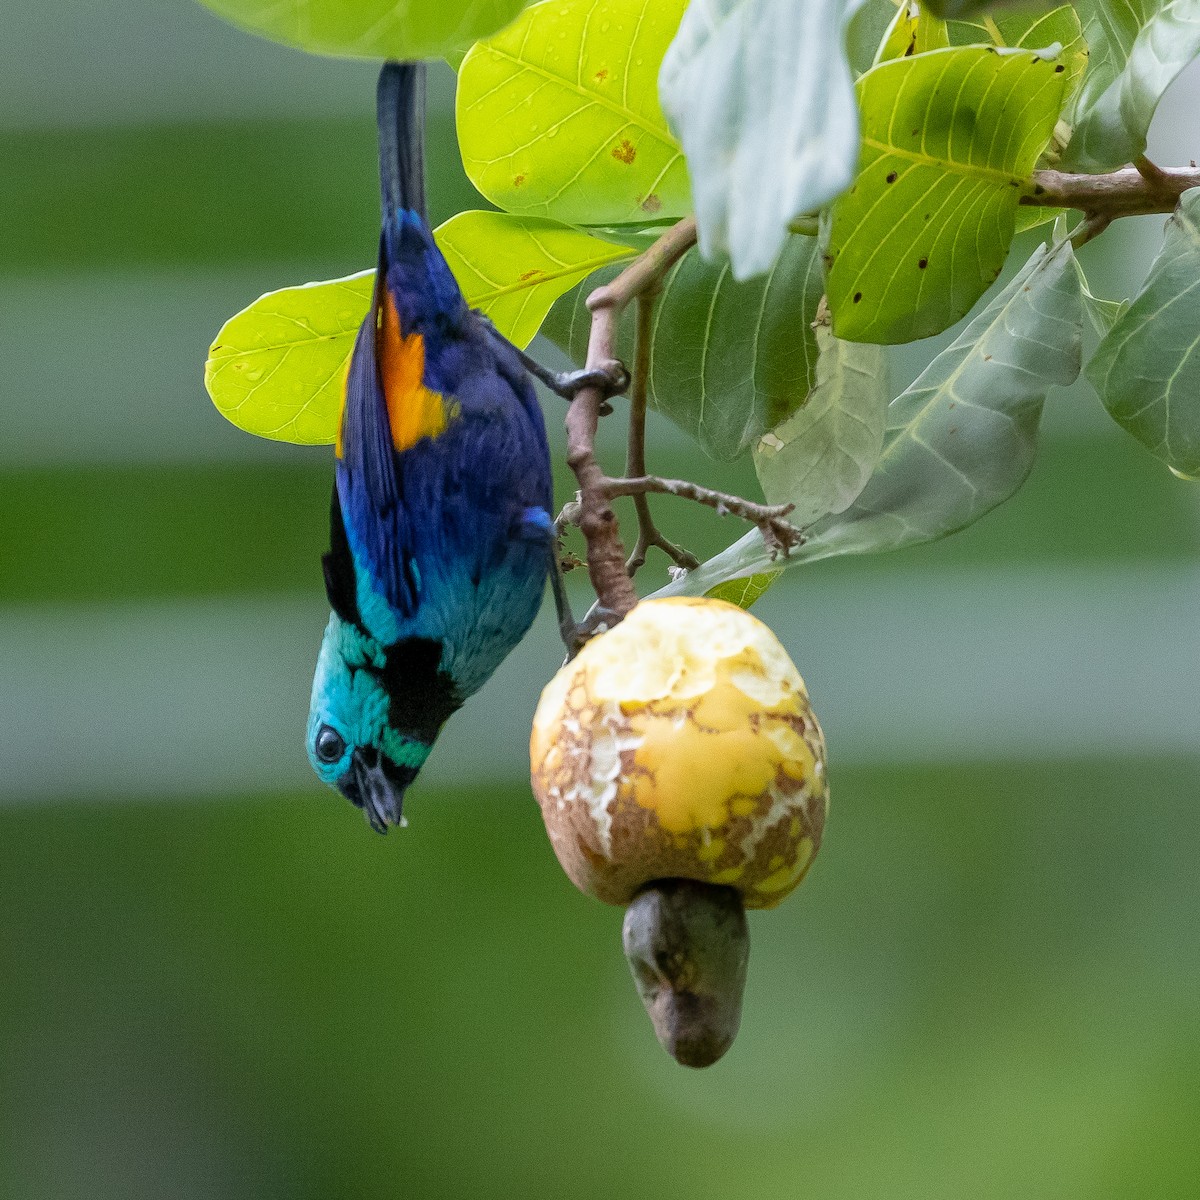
column 441, row 534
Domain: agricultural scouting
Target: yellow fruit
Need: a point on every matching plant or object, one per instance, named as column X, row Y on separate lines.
column 681, row 744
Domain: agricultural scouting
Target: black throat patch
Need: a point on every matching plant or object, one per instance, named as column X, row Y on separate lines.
column 421, row 696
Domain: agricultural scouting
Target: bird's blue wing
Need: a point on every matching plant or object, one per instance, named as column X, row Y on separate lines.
column 367, row 483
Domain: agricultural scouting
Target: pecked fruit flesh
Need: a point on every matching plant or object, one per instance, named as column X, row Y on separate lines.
column 681, row 745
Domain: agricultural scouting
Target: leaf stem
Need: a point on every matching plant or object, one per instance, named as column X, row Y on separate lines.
column 1092, row 226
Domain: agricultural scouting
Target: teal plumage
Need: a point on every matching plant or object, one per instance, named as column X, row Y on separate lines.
column 440, row 531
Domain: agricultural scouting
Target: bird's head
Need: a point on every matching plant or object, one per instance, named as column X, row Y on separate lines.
column 372, row 720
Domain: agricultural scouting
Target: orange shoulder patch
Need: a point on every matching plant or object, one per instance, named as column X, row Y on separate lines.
column 414, row 411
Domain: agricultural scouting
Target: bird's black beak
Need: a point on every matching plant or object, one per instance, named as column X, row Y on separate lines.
column 377, row 786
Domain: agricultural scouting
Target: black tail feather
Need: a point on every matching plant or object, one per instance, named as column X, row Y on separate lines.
column 400, row 105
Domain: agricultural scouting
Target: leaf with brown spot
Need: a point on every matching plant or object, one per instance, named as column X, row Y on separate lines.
column 961, row 169
column 624, row 151
column 567, row 98
column 276, row 369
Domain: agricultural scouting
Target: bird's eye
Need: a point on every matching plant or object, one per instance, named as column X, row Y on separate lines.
column 330, row 747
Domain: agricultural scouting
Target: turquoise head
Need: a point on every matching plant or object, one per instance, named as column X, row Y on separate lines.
column 374, row 715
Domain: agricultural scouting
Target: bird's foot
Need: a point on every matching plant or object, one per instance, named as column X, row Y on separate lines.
column 576, row 634
column 611, row 378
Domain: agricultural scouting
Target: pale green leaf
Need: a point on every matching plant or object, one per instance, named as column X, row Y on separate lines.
column 950, row 139
column 400, row 29
column 1147, row 368
column 964, row 8
column 514, row 268
column 1103, row 314
column 744, row 592
column 558, row 116
column 1139, row 47
column 278, row 368
column 821, row 457
column 761, row 96
column 728, row 360
column 960, row 440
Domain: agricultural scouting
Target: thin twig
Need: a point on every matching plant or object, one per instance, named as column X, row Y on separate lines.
column 777, row 532
column 649, row 535
column 598, row 522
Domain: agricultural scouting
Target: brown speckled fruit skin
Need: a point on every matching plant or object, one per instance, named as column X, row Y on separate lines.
column 681, row 745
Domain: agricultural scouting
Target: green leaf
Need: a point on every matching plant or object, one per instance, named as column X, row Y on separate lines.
column 1139, row 47
column 950, row 139
column 761, row 95
column 912, row 31
column 558, row 116
column 1147, row 368
column 744, row 592
column 960, row 440
column 277, row 369
column 821, row 457
column 964, row 8
column 1103, row 314
column 864, row 32
column 900, row 40
column 1031, row 216
column 370, row 28
column 1032, row 31
column 728, row 360
column 514, row 268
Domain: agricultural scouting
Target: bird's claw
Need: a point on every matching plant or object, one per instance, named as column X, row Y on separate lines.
column 576, row 634
column 611, row 378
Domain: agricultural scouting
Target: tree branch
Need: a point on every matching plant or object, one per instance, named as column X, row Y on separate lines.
column 597, row 521
column 1130, row 192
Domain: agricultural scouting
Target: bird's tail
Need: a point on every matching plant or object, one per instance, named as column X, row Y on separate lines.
column 400, row 107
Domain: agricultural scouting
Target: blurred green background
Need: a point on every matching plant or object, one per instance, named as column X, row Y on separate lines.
column 216, row 983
